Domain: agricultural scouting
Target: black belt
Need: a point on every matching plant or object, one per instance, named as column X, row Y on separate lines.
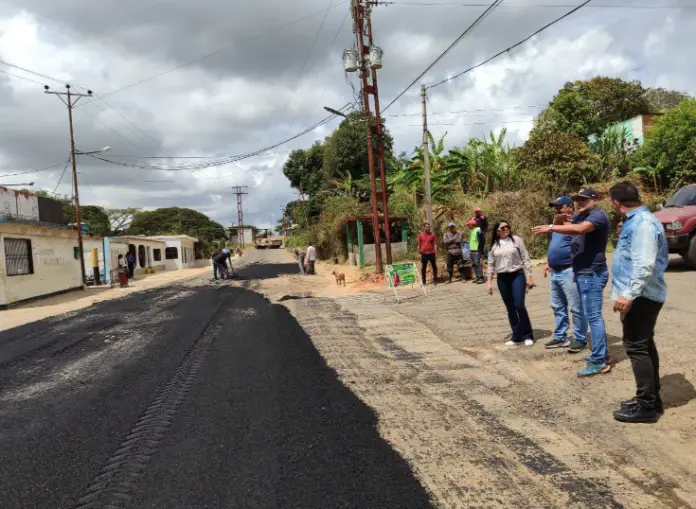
column 560, row 267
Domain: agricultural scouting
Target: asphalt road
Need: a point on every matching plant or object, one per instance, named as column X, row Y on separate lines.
column 191, row 396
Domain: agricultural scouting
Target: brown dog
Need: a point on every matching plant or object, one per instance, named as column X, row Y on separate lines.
column 340, row 278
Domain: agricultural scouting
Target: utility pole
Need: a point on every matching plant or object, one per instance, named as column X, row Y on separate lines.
column 380, row 150
column 359, row 28
column 72, row 100
column 426, row 161
column 239, row 191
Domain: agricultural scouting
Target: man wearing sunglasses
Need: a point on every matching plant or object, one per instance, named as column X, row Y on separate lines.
column 590, row 228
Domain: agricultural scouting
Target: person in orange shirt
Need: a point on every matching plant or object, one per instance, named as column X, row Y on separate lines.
column 427, row 247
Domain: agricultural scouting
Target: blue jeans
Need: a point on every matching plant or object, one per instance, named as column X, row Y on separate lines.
column 219, row 267
column 513, row 289
column 591, row 288
column 476, row 262
column 565, row 297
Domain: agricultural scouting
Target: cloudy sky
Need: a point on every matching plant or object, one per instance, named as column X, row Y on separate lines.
column 176, row 78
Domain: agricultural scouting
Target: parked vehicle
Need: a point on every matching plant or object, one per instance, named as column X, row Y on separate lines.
column 678, row 216
column 266, row 243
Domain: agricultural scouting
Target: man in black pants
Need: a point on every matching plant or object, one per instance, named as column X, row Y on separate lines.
column 639, row 292
column 427, row 247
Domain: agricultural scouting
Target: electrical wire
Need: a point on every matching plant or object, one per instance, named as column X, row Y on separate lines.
column 20, row 77
column 460, row 112
column 33, row 171
column 219, row 161
column 222, row 50
column 111, row 129
column 127, row 120
column 545, row 6
column 40, row 75
column 62, row 175
column 548, row 25
column 473, row 25
column 467, row 123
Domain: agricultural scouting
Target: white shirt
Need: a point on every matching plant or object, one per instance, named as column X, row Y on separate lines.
column 311, row 254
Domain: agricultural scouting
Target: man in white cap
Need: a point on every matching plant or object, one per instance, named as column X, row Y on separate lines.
column 453, row 245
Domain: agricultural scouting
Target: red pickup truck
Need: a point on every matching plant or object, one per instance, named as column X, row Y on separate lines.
column 678, row 216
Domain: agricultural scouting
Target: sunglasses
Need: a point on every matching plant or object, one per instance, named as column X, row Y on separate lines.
column 503, row 228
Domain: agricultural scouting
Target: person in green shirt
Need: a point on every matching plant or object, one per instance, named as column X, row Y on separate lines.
column 476, row 249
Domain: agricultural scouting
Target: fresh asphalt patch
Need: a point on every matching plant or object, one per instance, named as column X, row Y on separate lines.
column 175, row 398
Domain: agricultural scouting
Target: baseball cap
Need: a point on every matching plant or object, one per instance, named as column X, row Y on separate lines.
column 471, row 223
column 451, row 223
column 561, row 200
column 586, row 192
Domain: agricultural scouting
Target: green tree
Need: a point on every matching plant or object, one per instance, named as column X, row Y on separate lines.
column 660, row 99
column 176, row 221
column 669, row 150
column 120, row 219
column 586, row 108
column 556, row 160
column 304, row 169
column 346, row 149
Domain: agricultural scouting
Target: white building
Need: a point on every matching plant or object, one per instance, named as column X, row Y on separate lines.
column 37, row 261
column 179, row 251
column 149, row 253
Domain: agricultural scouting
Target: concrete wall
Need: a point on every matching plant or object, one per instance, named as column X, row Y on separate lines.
column 397, row 248
column 53, row 255
column 19, row 205
column 90, row 243
column 119, row 245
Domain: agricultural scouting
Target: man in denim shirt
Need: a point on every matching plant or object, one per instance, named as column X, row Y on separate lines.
column 590, row 228
column 565, row 298
column 638, row 290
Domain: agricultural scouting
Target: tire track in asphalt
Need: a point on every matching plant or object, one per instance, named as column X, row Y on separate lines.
column 113, row 486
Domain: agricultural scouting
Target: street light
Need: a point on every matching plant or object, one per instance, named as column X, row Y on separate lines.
column 29, row 184
column 92, row 152
column 335, row 112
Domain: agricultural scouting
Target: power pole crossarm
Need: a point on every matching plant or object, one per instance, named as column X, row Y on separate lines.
column 426, row 161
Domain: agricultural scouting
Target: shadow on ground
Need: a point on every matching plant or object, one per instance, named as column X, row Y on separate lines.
column 677, row 391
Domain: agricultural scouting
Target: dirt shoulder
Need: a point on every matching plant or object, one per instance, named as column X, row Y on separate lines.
column 484, row 425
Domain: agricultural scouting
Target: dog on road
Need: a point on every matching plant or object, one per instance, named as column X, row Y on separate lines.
column 340, row 278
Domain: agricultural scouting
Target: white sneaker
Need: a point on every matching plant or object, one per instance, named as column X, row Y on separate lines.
column 511, row 343
column 528, row 342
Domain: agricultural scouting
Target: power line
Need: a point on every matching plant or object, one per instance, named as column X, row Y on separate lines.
column 544, row 6
column 467, row 123
column 127, row 119
column 219, row 161
column 473, row 25
column 557, row 20
column 32, row 171
column 61, row 175
column 111, row 129
column 461, row 112
column 21, row 77
column 222, row 50
column 40, row 75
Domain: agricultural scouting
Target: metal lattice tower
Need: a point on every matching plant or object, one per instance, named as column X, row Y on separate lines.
column 239, row 191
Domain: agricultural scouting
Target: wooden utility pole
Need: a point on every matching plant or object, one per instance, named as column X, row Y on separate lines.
column 359, row 28
column 72, row 99
column 239, row 191
column 426, row 161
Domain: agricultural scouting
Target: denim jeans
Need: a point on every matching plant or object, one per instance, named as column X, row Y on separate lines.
column 219, row 267
column 513, row 289
column 300, row 261
column 476, row 262
column 564, row 298
column 591, row 288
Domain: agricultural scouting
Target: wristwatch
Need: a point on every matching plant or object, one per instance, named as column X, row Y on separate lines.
column 551, row 227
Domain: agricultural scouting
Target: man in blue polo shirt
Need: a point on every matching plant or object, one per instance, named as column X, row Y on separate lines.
column 590, row 230
column 564, row 292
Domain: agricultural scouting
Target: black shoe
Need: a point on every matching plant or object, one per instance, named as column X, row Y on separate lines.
column 577, row 347
column 628, row 403
column 557, row 343
column 636, row 414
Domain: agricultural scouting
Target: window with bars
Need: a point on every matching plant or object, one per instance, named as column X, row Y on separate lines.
column 18, row 258
column 171, row 253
